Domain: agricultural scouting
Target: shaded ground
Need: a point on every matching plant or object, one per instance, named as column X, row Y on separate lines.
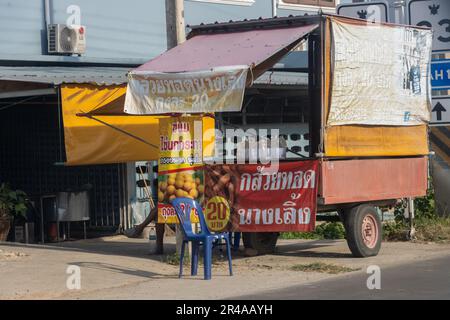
column 117, row 267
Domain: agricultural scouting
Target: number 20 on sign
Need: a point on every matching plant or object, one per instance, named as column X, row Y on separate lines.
column 217, row 213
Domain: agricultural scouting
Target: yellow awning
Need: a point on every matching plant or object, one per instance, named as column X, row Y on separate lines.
column 97, row 131
column 94, row 139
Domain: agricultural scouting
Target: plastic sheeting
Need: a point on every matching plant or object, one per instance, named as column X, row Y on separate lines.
column 380, row 74
column 366, row 140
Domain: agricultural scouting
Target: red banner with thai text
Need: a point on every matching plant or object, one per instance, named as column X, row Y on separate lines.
column 257, row 198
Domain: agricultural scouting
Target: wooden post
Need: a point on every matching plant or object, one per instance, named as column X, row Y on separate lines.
column 176, row 34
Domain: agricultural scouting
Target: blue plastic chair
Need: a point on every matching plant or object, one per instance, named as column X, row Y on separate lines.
column 183, row 208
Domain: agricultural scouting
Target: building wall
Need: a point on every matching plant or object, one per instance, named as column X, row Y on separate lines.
column 197, row 12
column 132, row 29
column 30, row 150
column 121, row 31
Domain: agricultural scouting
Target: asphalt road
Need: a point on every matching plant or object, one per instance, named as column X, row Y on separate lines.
column 429, row 279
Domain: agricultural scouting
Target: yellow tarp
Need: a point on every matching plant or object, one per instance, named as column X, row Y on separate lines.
column 88, row 141
column 98, row 140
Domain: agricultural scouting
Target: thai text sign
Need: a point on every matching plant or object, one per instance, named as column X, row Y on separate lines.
column 380, row 75
column 256, row 200
column 180, row 164
column 216, row 90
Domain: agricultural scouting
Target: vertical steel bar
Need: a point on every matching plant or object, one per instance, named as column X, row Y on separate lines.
column 91, row 175
column 107, row 189
column 119, row 193
column 129, row 211
column 42, row 220
column 114, row 197
column 100, row 184
column 60, row 125
column 322, row 83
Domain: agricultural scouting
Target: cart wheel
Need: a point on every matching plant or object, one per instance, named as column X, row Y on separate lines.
column 364, row 231
column 263, row 242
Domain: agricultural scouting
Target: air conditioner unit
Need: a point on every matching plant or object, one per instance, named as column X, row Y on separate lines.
column 64, row 39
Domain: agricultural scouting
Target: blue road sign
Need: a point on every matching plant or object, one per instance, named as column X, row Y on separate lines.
column 440, row 74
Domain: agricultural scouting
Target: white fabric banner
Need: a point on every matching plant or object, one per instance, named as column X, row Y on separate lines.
column 380, row 75
column 216, row 90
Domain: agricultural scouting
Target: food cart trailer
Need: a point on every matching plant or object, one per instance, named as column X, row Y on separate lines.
column 353, row 121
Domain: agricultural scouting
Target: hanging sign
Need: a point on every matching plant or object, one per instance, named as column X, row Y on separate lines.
column 180, row 166
column 217, row 90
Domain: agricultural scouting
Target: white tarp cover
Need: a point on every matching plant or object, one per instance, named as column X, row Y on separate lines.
column 380, row 75
column 219, row 89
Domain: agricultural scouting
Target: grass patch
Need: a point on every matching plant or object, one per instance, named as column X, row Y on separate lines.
column 395, row 231
column 427, row 230
column 428, row 225
column 299, row 235
column 327, row 230
column 174, row 259
column 436, row 230
column 322, row 267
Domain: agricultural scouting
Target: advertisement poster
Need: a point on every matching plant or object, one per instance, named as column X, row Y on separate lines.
column 246, row 198
column 216, row 90
column 180, row 165
column 380, row 75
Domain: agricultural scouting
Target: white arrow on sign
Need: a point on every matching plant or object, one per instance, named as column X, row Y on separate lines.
column 434, row 14
column 440, row 111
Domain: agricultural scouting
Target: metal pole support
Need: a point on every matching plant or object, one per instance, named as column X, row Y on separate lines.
column 412, row 230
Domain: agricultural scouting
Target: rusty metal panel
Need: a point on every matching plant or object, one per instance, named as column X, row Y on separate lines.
column 345, row 181
column 373, row 141
column 250, row 48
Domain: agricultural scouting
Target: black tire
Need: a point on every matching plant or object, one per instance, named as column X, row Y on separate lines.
column 354, row 225
column 263, row 242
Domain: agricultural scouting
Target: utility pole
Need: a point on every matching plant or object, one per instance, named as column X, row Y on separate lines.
column 176, row 34
column 274, row 8
column 175, row 29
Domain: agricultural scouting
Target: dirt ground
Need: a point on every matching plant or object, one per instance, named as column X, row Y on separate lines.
column 121, row 268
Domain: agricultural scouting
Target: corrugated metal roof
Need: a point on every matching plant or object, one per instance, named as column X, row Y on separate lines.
column 253, row 48
column 59, row 75
column 251, row 24
column 280, row 78
column 114, row 76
